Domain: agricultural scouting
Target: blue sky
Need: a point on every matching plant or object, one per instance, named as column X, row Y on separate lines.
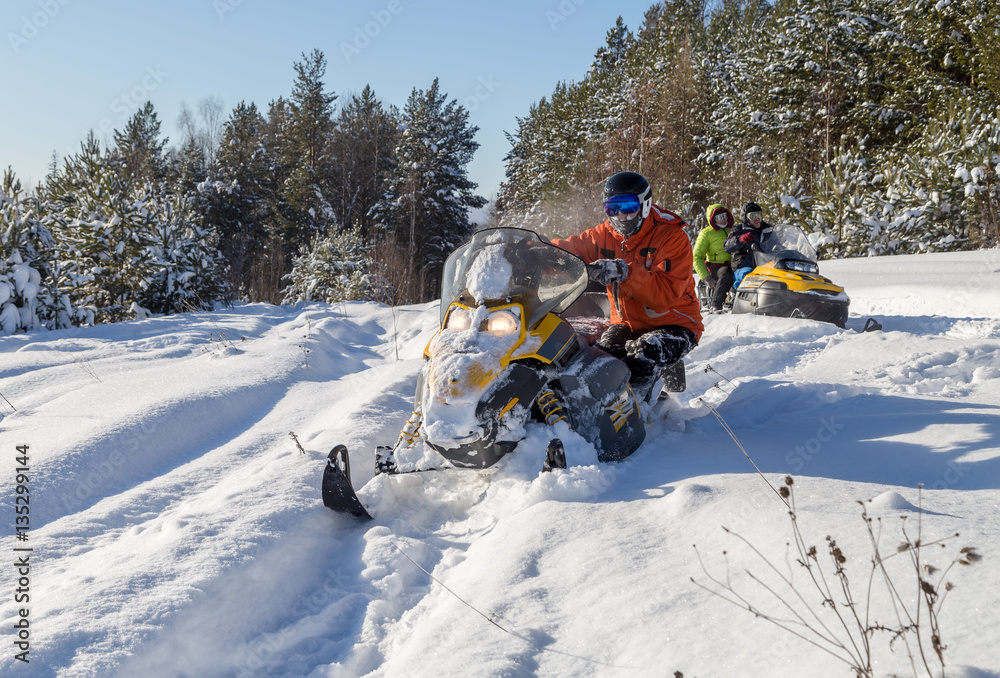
column 74, row 65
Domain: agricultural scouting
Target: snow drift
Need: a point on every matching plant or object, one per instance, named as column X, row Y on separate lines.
column 176, row 528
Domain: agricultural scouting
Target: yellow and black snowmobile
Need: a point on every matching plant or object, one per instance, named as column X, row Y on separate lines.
column 786, row 282
column 503, row 358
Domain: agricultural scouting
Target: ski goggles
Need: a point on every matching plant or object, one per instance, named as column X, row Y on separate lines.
column 754, row 216
column 720, row 218
column 622, row 204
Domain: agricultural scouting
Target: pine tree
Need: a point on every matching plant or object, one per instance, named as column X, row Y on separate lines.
column 550, row 186
column 666, row 67
column 127, row 249
column 188, row 168
column 335, row 268
column 427, row 198
column 29, row 294
column 102, row 233
column 240, row 194
column 185, row 261
column 733, row 70
column 139, row 148
column 305, row 208
column 362, row 148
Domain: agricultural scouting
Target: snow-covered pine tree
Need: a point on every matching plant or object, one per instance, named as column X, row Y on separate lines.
column 639, row 108
column 188, row 168
column 29, row 295
column 334, row 268
column 305, row 208
column 124, row 245
column 101, row 231
column 187, row 267
column 139, row 149
column 837, row 209
column 425, row 206
column 541, row 190
column 670, row 100
column 952, row 179
column 572, row 141
column 816, row 78
column 733, row 70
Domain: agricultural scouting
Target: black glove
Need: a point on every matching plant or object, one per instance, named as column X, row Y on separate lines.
column 608, row 271
column 633, row 347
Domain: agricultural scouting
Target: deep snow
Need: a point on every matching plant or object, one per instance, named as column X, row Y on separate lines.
column 177, row 530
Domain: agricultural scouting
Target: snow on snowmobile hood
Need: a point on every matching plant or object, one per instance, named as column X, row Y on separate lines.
column 496, row 289
column 504, row 265
column 466, row 357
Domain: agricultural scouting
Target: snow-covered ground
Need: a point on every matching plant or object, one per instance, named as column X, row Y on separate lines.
column 177, row 530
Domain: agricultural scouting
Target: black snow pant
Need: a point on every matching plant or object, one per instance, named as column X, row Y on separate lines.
column 720, row 281
column 647, row 353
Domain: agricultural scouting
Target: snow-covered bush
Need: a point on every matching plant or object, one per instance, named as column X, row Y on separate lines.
column 334, row 268
column 186, row 264
column 29, row 298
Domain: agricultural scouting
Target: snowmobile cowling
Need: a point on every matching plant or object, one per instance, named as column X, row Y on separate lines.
column 786, row 282
column 503, row 358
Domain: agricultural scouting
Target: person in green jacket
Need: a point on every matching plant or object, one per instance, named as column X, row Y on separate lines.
column 711, row 260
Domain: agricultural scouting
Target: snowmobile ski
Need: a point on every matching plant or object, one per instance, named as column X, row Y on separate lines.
column 338, row 494
column 872, row 325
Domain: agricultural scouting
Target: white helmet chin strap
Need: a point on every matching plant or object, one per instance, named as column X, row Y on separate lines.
column 647, row 201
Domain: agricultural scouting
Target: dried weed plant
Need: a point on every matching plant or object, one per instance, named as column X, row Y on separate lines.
column 830, row 614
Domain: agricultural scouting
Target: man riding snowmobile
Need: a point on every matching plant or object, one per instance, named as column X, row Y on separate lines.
column 502, row 359
column 643, row 256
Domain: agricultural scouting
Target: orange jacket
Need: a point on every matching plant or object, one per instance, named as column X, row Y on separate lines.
column 659, row 289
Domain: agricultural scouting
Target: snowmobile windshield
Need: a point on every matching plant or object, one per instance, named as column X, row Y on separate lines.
column 502, row 265
column 785, row 242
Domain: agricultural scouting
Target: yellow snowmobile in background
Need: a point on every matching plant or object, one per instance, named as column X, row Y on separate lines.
column 786, row 282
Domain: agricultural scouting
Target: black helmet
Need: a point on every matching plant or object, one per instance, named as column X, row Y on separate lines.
column 751, row 207
column 629, row 183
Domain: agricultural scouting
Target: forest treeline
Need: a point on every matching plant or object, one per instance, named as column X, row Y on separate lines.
column 315, row 198
column 872, row 124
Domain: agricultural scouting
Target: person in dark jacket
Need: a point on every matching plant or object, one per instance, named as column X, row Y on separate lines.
column 745, row 239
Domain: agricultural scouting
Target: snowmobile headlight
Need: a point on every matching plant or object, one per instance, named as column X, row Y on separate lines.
column 802, row 266
column 459, row 319
column 502, row 323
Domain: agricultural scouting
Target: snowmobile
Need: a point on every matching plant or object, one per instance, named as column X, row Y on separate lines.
column 504, row 357
column 786, row 282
